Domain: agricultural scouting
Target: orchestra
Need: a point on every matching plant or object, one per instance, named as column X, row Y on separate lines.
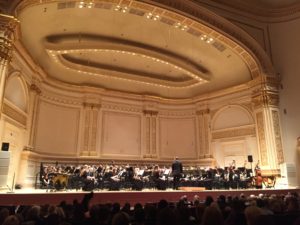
column 117, row 177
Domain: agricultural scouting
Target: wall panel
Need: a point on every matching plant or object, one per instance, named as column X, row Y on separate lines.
column 177, row 137
column 121, row 134
column 57, row 129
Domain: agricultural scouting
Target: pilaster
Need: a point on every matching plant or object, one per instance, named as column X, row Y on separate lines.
column 91, row 114
column 34, row 97
column 203, row 118
column 265, row 100
column 150, row 118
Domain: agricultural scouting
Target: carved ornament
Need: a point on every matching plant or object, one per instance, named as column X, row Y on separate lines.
column 14, row 114
column 8, row 25
column 91, row 105
column 202, row 112
column 277, row 134
column 35, row 88
column 238, row 132
column 199, row 21
column 150, row 112
column 265, row 99
column 262, row 139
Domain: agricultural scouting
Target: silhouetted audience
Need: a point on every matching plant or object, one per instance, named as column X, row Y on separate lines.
column 233, row 210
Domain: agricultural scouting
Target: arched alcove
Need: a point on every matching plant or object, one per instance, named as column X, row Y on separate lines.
column 15, row 92
column 231, row 116
column 233, row 136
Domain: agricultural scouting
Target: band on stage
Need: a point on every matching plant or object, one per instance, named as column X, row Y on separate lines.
column 117, row 177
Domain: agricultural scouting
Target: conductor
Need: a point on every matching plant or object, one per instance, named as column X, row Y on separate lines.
column 176, row 172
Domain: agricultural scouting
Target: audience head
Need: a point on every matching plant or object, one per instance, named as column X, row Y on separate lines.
column 212, row 216
column 120, row 218
column 252, row 214
column 11, row 220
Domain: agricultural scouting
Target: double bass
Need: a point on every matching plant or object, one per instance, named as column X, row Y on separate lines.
column 258, row 177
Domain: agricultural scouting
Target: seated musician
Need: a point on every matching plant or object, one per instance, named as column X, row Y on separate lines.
column 155, row 176
column 118, row 174
column 88, row 178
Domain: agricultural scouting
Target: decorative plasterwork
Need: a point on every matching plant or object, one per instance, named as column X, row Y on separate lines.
column 277, row 136
column 14, row 114
column 202, row 112
column 35, row 88
column 61, row 100
column 264, row 99
column 8, row 25
column 193, row 75
column 265, row 92
column 90, row 130
column 121, row 107
column 254, row 9
column 204, row 30
column 150, row 112
column 194, row 9
column 262, row 138
column 150, row 132
column 176, row 113
column 236, row 132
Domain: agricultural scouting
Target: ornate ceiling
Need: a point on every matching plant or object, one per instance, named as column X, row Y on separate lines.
column 132, row 46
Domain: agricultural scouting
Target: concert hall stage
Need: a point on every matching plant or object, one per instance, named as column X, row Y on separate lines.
column 40, row 197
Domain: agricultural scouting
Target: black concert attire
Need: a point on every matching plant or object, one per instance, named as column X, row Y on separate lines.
column 176, row 172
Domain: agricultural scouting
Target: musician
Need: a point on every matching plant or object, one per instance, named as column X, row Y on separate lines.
column 233, row 165
column 257, row 167
column 258, row 179
column 155, row 176
column 87, row 175
column 176, row 172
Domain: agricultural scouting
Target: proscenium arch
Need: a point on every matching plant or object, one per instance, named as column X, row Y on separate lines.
column 233, row 32
column 223, row 109
column 22, row 95
column 188, row 13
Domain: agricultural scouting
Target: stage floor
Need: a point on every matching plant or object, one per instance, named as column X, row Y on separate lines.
column 41, row 196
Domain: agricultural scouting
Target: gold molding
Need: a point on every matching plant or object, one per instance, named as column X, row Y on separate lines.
column 14, row 114
column 202, row 112
column 92, row 105
column 150, row 112
column 195, row 19
column 8, row 25
column 262, row 139
column 236, row 132
column 277, row 136
column 35, row 88
column 271, row 14
column 264, row 99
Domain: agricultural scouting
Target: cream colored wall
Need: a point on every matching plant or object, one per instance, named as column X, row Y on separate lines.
column 286, row 58
column 86, row 125
column 13, row 123
column 234, row 136
column 121, row 135
column 177, row 137
column 57, row 129
column 279, row 37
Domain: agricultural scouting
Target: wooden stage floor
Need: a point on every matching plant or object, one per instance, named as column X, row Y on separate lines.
column 40, row 197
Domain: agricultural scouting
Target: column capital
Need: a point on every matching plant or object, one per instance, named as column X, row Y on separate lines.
column 202, row 112
column 265, row 98
column 35, row 88
column 150, row 112
column 91, row 105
